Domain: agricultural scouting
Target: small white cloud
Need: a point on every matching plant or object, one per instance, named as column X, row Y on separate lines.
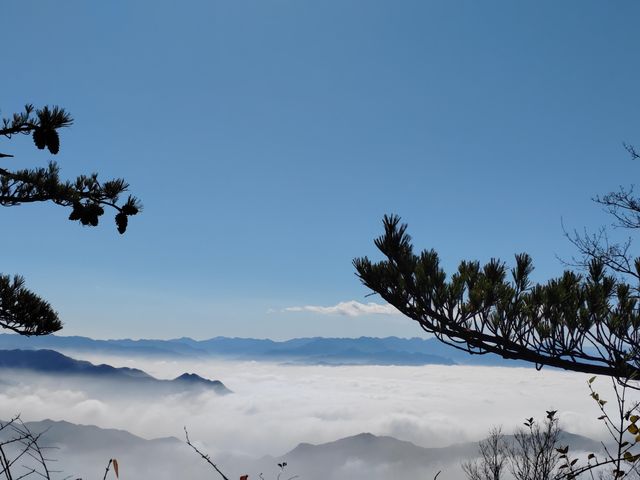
column 350, row 308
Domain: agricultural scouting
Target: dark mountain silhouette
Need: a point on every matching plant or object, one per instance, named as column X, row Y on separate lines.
column 50, row 361
column 315, row 350
column 195, row 379
column 54, row 363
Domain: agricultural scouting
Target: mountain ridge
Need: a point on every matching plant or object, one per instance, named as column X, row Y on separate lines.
column 51, row 362
column 305, row 350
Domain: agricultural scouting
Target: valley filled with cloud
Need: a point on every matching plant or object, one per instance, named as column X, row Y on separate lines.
column 274, row 407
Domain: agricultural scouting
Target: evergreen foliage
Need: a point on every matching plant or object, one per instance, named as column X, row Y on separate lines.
column 21, row 310
column 586, row 321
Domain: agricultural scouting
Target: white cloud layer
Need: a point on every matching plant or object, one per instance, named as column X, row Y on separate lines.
column 275, row 407
column 351, row 308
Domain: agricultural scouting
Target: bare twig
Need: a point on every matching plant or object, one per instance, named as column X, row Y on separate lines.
column 28, row 445
column 204, row 456
column 106, row 470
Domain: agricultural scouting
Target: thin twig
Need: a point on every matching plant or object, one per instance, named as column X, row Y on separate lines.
column 204, row 456
column 106, row 470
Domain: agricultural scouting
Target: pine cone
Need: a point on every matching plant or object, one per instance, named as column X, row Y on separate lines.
column 76, row 213
column 121, row 222
column 89, row 218
column 93, row 212
column 95, row 209
column 53, row 141
column 39, row 138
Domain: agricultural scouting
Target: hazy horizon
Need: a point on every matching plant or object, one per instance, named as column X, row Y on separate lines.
column 424, row 336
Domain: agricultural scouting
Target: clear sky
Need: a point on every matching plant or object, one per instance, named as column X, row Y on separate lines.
column 266, row 140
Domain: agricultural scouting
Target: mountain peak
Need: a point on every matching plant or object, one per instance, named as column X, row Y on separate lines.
column 195, row 379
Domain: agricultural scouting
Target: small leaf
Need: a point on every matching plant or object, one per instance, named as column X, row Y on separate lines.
column 591, row 380
column 633, row 429
column 115, row 467
column 591, row 455
column 634, row 418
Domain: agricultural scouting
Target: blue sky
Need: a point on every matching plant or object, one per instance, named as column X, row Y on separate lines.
column 268, row 138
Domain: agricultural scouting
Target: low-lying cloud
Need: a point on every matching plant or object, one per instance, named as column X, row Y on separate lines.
column 351, row 308
column 275, row 407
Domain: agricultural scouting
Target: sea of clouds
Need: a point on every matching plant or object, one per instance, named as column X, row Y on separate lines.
column 275, row 407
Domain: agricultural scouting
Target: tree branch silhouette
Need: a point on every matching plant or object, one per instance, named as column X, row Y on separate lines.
column 21, row 310
column 587, row 322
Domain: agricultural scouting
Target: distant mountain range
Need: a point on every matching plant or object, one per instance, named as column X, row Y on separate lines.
column 315, row 350
column 85, row 450
column 54, row 363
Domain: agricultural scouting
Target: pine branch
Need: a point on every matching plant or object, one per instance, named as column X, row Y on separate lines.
column 23, row 312
column 87, row 196
column 582, row 323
